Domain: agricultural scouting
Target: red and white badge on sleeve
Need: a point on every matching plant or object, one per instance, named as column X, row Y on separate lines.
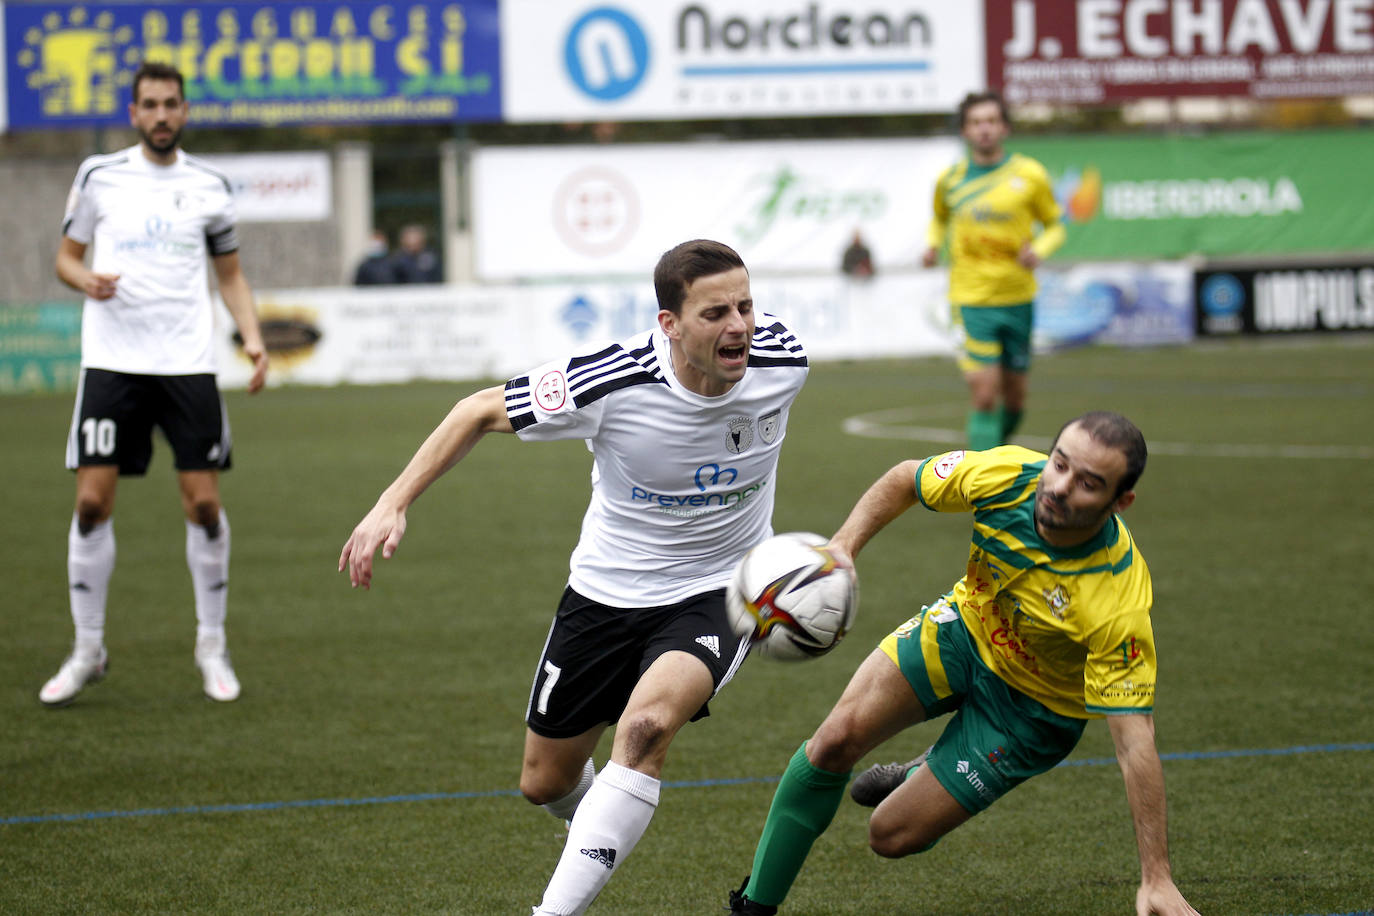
column 947, row 463
column 552, row 391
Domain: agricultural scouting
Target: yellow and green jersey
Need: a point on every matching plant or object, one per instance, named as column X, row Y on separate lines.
column 1069, row 627
column 987, row 213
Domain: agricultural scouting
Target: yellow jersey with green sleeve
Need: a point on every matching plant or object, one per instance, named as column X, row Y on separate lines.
column 987, row 213
column 1069, row 627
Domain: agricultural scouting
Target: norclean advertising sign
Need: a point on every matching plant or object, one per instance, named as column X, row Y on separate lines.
column 790, row 207
column 1229, row 194
column 256, row 63
column 654, row 60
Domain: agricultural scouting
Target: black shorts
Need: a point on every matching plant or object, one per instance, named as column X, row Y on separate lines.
column 595, row 655
column 116, row 412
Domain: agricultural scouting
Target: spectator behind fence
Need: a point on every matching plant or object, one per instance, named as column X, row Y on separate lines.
column 376, row 267
column 857, row 260
column 415, row 261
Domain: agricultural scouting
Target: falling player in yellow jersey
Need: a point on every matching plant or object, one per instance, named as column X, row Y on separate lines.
column 1049, row 627
column 986, row 211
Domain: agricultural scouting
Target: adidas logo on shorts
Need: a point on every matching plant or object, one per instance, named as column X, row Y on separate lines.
column 712, row 643
column 605, row 856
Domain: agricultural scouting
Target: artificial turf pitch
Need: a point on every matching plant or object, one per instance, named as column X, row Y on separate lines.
column 371, row 763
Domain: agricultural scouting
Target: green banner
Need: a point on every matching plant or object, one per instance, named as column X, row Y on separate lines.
column 1229, row 194
column 40, row 347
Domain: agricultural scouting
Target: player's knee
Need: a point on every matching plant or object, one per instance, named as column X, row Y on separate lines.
column 205, row 513
column 837, row 744
column 540, row 787
column 646, row 738
column 90, row 511
column 895, row 840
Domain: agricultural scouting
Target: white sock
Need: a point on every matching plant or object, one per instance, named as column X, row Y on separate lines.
column 612, row 817
column 208, row 560
column 90, row 561
column 564, row 808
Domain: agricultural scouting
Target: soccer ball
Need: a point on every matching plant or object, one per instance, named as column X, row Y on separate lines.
column 790, row 599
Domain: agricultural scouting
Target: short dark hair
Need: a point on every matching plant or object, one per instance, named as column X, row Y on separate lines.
column 684, row 264
column 978, row 98
column 1114, row 431
column 155, row 70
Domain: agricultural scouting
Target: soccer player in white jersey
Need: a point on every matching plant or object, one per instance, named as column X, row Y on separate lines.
column 153, row 214
column 685, row 423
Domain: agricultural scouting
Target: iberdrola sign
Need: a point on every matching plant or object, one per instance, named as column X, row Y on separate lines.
column 1228, row 194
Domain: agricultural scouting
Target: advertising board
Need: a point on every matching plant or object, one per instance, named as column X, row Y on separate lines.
column 256, row 63
column 1110, row 51
column 654, row 60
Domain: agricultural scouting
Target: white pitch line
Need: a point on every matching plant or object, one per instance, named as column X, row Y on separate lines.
column 894, row 423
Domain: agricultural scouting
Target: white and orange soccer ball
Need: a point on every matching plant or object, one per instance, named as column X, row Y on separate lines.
column 790, row 598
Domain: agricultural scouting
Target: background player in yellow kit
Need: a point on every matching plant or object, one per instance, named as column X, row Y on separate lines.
column 987, row 207
column 1049, row 626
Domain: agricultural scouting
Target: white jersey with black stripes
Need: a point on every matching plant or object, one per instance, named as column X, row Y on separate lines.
column 153, row 226
column 682, row 484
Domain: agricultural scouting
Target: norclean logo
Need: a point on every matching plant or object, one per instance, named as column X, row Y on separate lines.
column 606, row 53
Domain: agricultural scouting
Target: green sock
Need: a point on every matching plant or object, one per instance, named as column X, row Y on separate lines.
column 803, row 806
column 984, row 429
column 1011, row 420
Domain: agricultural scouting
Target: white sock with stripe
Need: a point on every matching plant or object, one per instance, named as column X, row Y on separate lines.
column 612, row 817
column 90, row 562
column 564, row 808
column 208, row 560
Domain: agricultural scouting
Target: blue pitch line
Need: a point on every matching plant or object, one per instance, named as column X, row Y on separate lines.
column 692, row 784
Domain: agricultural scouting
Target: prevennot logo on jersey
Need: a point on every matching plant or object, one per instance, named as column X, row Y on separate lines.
column 552, row 391
column 946, row 465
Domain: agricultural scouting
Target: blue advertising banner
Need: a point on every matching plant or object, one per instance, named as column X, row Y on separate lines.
column 257, row 64
column 1124, row 304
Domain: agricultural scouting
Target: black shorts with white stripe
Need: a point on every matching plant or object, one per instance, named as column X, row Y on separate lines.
column 596, row 654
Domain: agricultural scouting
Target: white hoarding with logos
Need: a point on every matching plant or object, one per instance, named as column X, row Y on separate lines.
column 396, row 334
column 650, row 60
column 278, row 187
column 544, row 212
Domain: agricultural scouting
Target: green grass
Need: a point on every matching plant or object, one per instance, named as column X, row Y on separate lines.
column 1262, row 572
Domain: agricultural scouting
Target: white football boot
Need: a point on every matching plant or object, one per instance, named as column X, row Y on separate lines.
column 212, row 657
column 82, row 667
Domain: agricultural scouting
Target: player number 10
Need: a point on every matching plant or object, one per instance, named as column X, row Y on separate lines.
column 100, row 436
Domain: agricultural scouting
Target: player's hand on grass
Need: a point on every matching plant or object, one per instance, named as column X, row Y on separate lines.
column 1162, row 900
column 382, row 527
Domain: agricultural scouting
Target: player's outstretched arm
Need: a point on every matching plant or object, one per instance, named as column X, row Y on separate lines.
column 238, row 298
column 385, row 525
column 1134, row 736
column 890, row 496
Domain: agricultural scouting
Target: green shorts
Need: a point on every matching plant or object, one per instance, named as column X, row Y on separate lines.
column 996, row 335
column 999, row 737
